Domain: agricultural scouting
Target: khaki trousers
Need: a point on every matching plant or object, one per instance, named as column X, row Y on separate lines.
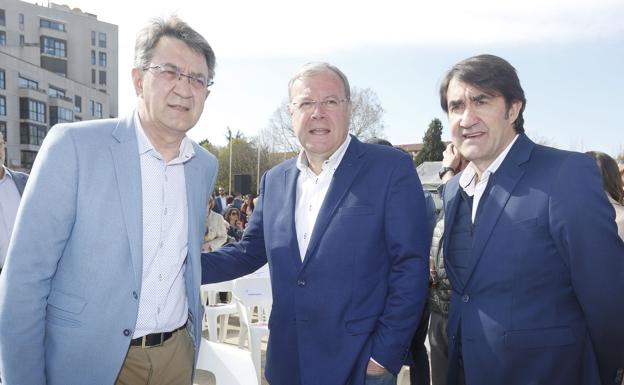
column 168, row 364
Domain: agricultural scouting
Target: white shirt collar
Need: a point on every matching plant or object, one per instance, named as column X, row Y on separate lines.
column 468, row 178
column 7, row 174
column 330, row 164
column 185, row 153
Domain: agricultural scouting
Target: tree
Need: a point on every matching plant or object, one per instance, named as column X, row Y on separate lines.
column 366, row 122
column 432, row 144
column 246, row 157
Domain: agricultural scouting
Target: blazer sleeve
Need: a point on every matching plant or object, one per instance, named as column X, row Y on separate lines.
column 407, row 236
column 43, row 225
column 241, row 258
column 582, row 223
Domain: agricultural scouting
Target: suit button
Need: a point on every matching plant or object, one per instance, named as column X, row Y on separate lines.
column 465, row 298
column 126, row 332
column 301, row 283
column 135, row 295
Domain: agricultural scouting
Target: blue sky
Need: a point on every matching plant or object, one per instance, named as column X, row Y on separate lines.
column 569, row 55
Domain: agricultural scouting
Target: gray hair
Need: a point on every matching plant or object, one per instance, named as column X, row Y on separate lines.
column 174, row 27
column 315, row 68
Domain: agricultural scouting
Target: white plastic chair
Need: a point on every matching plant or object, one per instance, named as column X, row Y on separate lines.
column 229, row 364
column 250, row 293
column 213, row 310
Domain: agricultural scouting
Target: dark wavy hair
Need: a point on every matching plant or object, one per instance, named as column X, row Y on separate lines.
column 611, row 180
column 490, row 74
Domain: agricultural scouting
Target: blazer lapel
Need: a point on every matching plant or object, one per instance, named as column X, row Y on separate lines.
column 290, row 188
column 341, row 181
column 127, row 169
column 504, row 182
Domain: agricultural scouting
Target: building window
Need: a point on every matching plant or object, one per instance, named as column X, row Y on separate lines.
column 3, row 130
column 21, row 21
column 33, row 110
column 52, row 46
column 98, row 110
column 51, row 24
column 23, row 82
column 55, row 92
column 3, row 105
column 92, row 107
column 2, row 17
column 92, row 57
column 2, row 80
column 102, row 56
column 93, row 76
column 102, row 78
column 77, row 103
column 31, row 133
column 22, row 41
column 28, row 158
column 2, row 38
column 92, row 37
column 60, row 115
column 102, row 40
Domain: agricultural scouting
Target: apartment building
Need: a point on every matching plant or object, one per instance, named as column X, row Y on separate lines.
column 57, row 64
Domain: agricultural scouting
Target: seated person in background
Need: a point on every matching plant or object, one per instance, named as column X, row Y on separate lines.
column 234, row 232
column 215, row 235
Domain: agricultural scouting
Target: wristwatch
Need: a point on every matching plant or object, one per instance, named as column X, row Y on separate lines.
column 444, row 170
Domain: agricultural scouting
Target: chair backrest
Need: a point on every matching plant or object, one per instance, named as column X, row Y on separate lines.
column 230, row 365
column 250, row 292
column 210, row 290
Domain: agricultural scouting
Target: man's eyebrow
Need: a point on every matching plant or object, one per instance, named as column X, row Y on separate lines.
column 480, row 97
column 455, row 103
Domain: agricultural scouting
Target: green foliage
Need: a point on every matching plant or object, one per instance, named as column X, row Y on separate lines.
column 433, row 147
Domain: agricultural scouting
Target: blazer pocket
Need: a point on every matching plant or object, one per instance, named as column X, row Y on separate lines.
column 539, row 338
column 356, row 210
column 362, row 325
column 66, row 302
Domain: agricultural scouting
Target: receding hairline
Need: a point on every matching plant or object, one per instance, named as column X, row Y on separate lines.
column 312, row 69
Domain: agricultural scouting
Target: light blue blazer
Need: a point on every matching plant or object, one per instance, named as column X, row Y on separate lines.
column 69, row 295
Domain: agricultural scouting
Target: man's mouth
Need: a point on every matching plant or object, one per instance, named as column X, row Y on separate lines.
column 179, row 107
column 319, row 131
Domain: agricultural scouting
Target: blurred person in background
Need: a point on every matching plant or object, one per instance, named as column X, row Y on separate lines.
column 612, row 184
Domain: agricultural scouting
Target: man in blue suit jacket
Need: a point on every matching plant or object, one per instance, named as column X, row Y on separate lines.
column 344, row 230
column 102, row 279
column 531, row 246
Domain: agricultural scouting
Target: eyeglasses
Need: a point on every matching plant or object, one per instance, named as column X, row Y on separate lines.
column 169, row 73
column 329, row 104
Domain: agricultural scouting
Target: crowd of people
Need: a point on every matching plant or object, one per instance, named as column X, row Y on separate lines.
column 517, row 280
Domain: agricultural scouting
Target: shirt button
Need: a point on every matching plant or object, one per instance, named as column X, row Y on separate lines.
column 160, row 277
column 126, row 332
column 465, row 298
column 301, row 283
column 135, row 295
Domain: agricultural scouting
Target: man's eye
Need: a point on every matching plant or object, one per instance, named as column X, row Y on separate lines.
column 305, row 104
column 199, row 81
column 331, row 102
column 169, row 72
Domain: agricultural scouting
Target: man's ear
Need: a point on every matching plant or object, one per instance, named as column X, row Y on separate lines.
column 207, row 93
column 514, row 110
column 137, row 81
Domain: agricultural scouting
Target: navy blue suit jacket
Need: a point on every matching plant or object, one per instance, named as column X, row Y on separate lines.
column 543, row 301
column 361, row 288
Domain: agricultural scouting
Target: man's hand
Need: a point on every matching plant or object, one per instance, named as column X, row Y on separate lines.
column 452, row 158
column 206, row 248
column 374, row 368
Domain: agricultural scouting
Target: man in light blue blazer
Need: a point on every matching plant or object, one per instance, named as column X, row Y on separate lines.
column 531, row 246
column 103, row 272
column 344, row 230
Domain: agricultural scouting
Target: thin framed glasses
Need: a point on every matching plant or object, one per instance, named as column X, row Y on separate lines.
column 169, row 73
column 307, row 105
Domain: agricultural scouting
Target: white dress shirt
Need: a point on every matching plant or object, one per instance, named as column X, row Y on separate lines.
column 9, row 202
column 311, row 191
column 468, row 179
column 163, row 305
